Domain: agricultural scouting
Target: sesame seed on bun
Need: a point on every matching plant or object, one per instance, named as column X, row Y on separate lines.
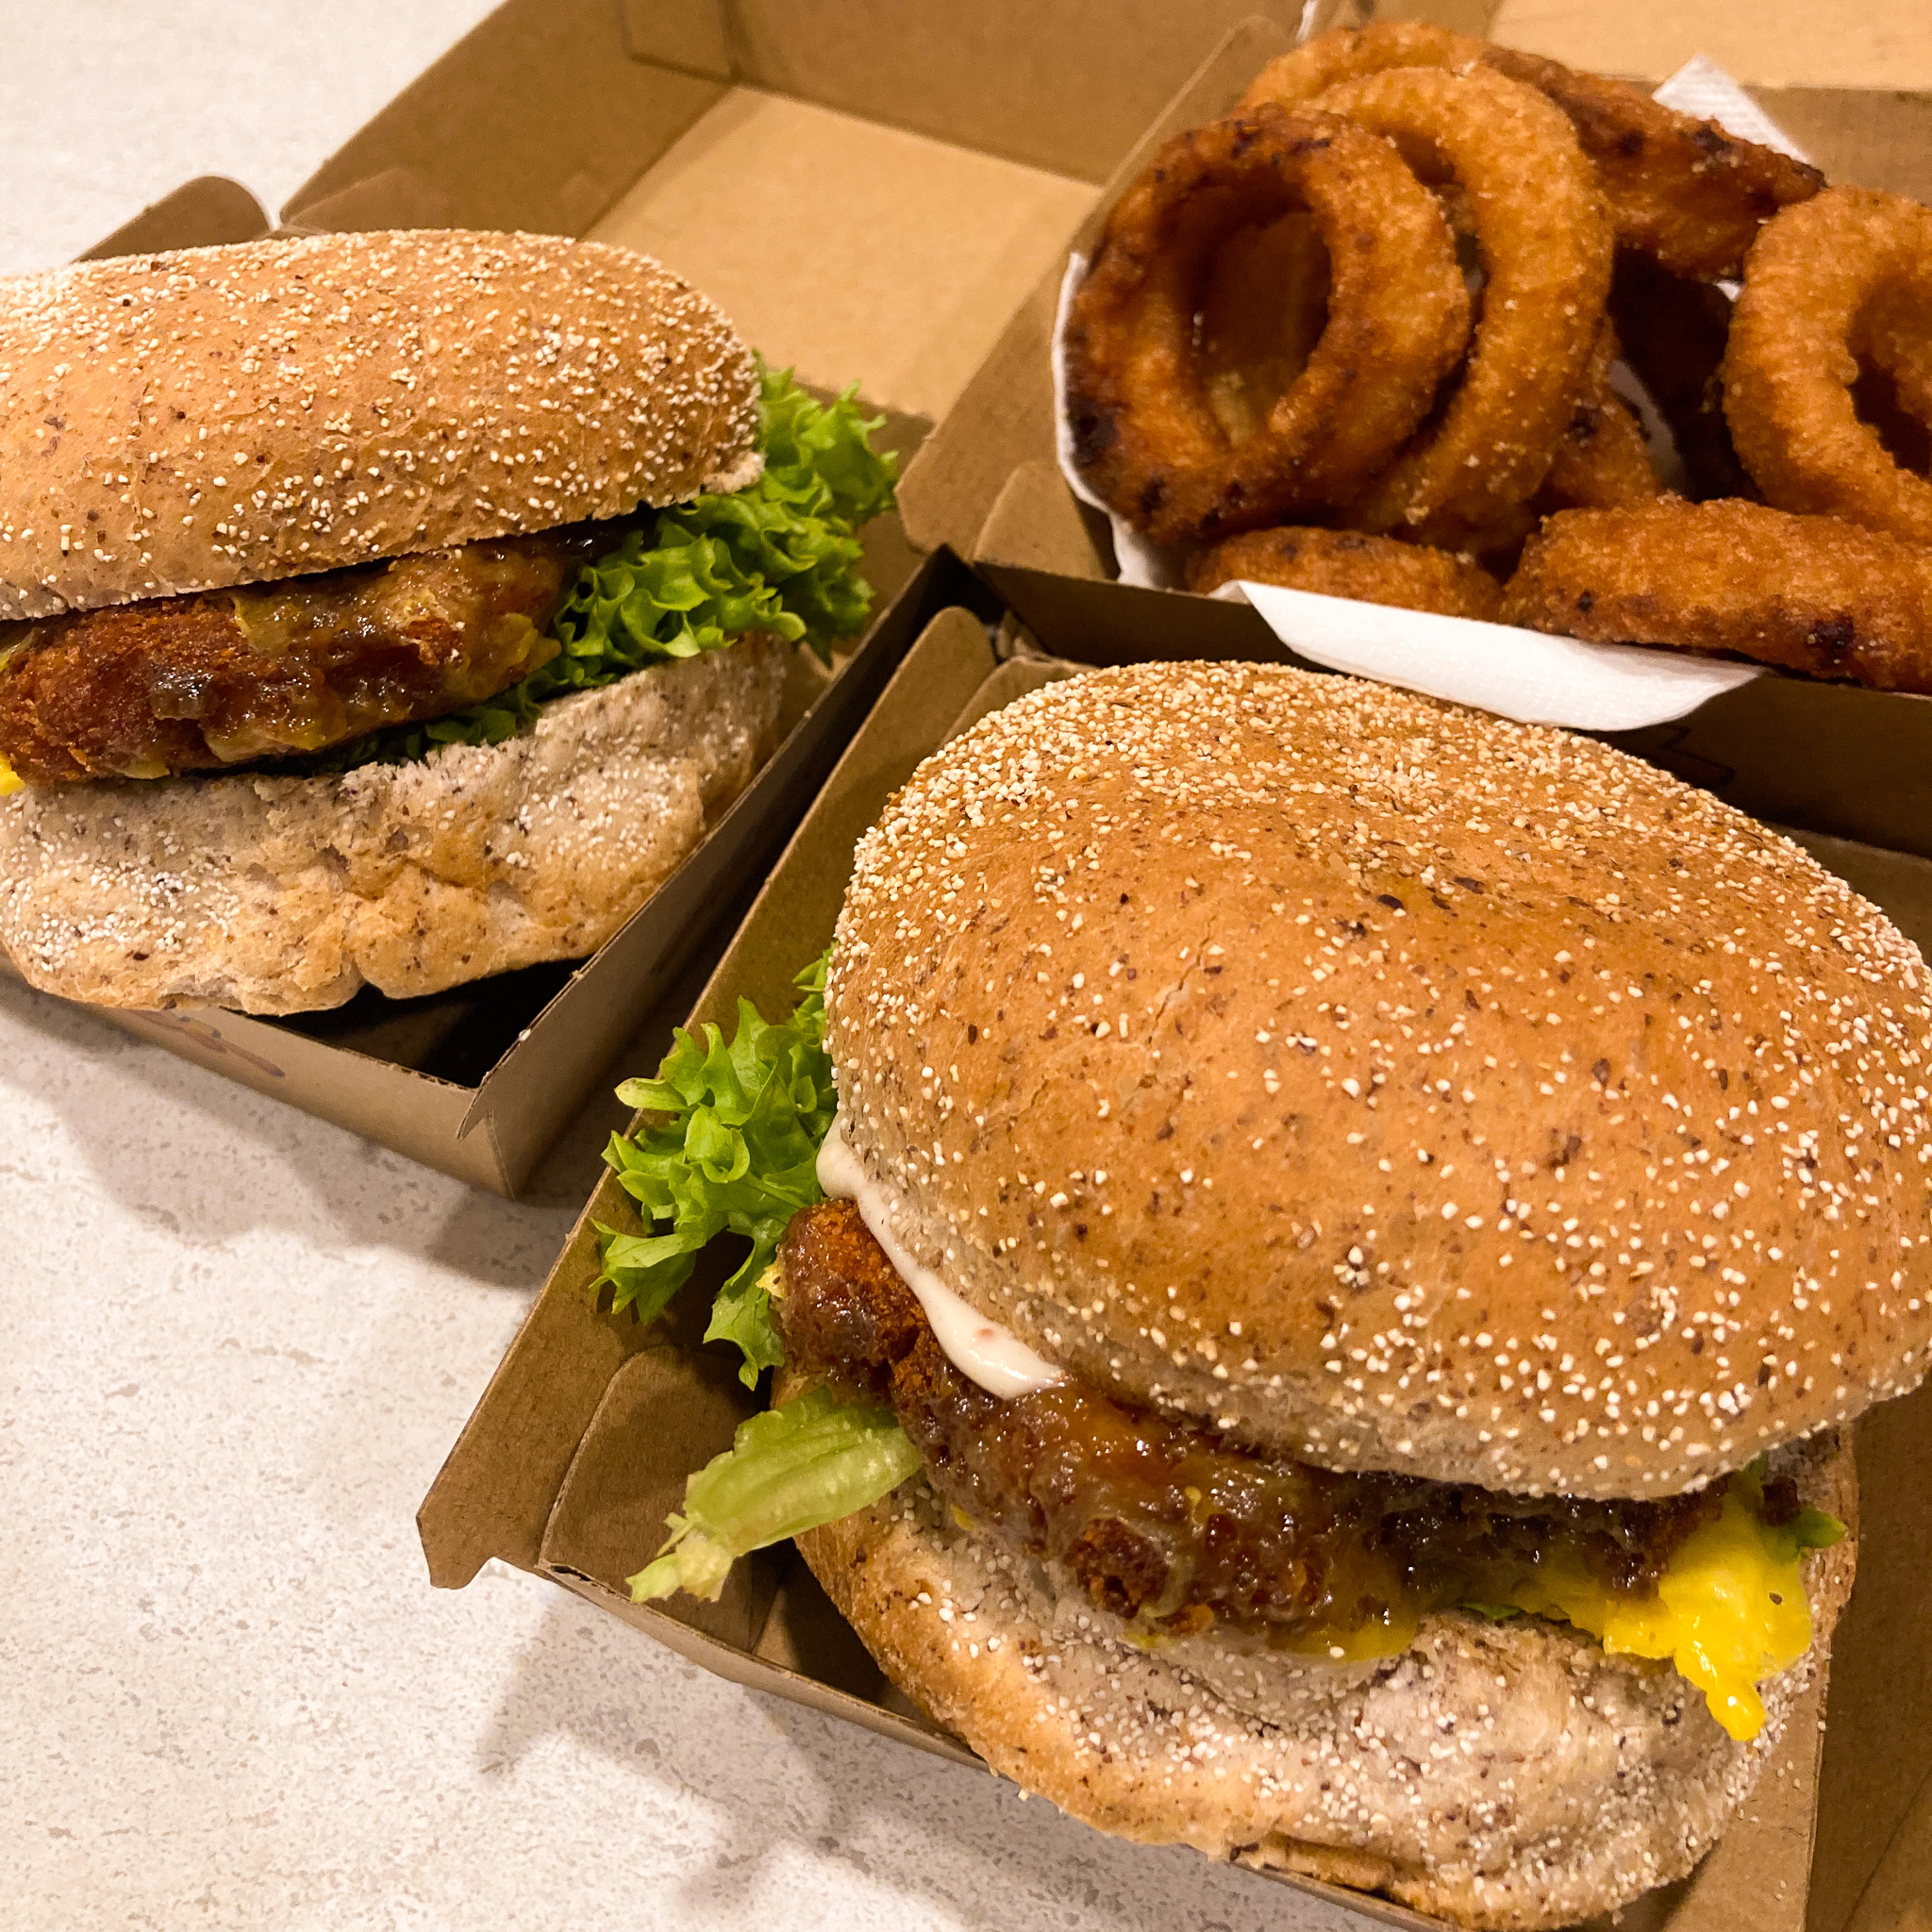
column 220, row 416
column 1389, row 1084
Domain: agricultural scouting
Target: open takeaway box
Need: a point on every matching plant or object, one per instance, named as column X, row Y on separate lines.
column 1835, row 759
column 583, row 1442
column 868, row 191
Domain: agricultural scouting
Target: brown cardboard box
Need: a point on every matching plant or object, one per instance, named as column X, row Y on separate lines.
column 1835, row 759
column 869, row 190
column 581, row 1445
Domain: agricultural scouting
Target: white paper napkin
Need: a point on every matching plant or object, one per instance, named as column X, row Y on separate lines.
column 1516, row 674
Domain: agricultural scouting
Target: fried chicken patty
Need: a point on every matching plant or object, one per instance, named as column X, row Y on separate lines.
column 226, row 678
column 1161, row 1521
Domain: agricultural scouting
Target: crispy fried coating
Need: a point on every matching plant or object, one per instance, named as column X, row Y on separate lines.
column 1144, row 431
column 1681, row 190
column 1602, row 462
column 197, row 683
column 1814, row 594
column 1813, row 277
column 1345, row 563
column 1539, row 226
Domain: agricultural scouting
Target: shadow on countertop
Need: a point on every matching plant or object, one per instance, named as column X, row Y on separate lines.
column 964, row 1843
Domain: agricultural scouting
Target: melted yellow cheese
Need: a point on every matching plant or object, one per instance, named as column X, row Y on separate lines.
column 1729, row 1612
column 11, row 780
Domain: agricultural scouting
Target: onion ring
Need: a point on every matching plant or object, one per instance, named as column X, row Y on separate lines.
column 1810, row 594
column 1539, row 224
column 1142, row 432
column 1603, row 461
column 1680, row 189
column 1343, row 563
column 1812, row 276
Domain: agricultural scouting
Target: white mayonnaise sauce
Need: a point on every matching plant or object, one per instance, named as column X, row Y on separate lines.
column 993, row 1357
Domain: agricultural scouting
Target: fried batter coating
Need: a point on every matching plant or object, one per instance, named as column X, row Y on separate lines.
column 1811, row 594
column 1813, row 277
column 1682, row 191
column 1144, row 431
column 197, row 683
column 1603, row 461
column 1545, row 245
column 1343, row 563
column 1159, row 1520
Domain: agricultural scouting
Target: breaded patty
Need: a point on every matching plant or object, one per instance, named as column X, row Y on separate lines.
column 1161, row 1520
column 227, row 678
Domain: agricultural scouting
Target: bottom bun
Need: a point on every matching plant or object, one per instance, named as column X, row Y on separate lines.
column 1498, row 1775
column 282, row 895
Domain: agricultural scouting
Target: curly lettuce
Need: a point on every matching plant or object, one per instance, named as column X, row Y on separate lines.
column 790, row 1469
column 734, row 1150
column 780, row 556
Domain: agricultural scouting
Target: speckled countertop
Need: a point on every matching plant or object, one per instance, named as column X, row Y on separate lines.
column 235, row 1345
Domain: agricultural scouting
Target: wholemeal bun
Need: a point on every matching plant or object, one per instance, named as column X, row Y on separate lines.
column 221, row 416
column 1498, row 1775
column 1389, row 1084
column 280, row 895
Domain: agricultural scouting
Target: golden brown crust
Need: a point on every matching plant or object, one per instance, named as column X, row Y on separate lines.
column 220, row 416
column 1602, row 460
column 1796, row 329
column 1500, row 1776
column 226, row 678
column 1394, row 1086
column 1684, row 191
column 282, row 895
column 1345, row 563
column 1811, row 594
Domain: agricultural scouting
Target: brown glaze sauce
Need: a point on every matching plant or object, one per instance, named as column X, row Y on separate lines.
column 1166, row 1524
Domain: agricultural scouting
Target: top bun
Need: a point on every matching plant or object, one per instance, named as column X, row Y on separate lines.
column 217, row 416
column 1389, row 1085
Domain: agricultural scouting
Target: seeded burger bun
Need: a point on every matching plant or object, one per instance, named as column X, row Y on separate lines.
column 1390, row 1088
column 224, row 417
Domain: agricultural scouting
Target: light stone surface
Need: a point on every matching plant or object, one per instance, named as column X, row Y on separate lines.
column 235, row 1344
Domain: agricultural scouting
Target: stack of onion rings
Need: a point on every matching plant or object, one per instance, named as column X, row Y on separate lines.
column 1398, row 316
column 1219, row 383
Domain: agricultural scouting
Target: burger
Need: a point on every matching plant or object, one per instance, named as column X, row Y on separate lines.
column 387, row 610
column 1352, row 1233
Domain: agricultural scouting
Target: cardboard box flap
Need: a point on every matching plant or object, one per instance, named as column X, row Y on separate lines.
column 992, row 76
column 1004, row 416
column 495, row 1491
column 201, row 213
column 1875, row 45
column 1874, row 1816
column 848, row 248
column 537, row 118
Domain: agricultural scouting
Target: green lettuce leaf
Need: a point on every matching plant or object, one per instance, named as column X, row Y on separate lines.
column 734, row 1151
column 1815, row 1530
column 781, row 555
column 808, row 1461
